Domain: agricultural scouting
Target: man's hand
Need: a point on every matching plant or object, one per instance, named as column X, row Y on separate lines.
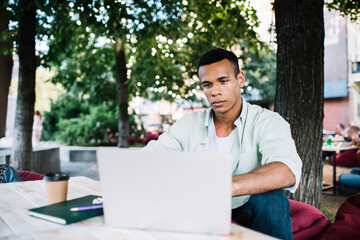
column 275, row 175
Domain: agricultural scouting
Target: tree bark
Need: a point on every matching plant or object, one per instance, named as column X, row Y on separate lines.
column 122, row 89
column 299, row 91
column 21, row 156
column 6, row 63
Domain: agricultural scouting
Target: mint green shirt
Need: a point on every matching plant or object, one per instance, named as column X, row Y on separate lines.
column 263, row 137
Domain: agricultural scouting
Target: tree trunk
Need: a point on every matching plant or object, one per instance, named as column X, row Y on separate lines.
column 21, row 156
column 6, row 63
column 122, row 89
column 300, row 80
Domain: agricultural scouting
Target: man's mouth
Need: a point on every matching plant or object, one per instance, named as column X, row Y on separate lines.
column 217, row 103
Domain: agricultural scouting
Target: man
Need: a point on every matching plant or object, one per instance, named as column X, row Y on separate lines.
column 264, row 154
column 340, row 129
column 348, row 158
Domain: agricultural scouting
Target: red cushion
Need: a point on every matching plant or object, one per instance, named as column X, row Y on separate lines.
column 347, row 221
column 345, row 159
column 29, row 176
column 308, row 221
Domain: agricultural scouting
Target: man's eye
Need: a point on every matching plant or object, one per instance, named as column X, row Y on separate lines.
column 223, row 81
column 206, row 85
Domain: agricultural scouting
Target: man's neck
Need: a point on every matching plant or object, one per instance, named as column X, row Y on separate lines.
column 225, row 123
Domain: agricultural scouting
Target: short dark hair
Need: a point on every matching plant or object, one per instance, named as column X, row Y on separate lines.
column 218, row 54
column 354, row 128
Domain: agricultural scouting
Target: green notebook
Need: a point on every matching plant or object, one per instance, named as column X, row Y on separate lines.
column 60, row 212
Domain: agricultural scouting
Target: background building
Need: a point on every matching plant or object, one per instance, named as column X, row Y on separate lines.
column 341, row 71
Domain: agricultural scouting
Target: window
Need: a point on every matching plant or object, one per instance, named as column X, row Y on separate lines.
column 355, row 67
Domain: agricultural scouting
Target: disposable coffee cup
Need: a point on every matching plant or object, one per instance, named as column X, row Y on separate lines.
column 56, row 187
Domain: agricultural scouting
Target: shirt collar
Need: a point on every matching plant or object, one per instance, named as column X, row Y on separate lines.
column 244, row 112
column 208, row 111
column 241, row 119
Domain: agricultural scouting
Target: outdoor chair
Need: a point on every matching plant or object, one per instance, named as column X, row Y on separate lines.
column 345, row 159
column 346, row 224
column 308, row 222
column 29, row 176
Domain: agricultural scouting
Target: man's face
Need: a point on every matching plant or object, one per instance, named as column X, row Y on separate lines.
column 221, row 87
column 338, row 129
column 352, row 133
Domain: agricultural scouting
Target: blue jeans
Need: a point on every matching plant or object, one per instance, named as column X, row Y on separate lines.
column 352, row 179
column 11, row 175
column 268, row 213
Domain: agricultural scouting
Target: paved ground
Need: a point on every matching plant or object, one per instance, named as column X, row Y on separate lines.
column 329, row 202
column 75, row 169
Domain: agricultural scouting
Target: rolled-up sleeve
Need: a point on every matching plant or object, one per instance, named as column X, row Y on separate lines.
column 277, row 145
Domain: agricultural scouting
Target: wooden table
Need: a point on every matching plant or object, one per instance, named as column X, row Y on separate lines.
column 333, row 150
column 15, row 223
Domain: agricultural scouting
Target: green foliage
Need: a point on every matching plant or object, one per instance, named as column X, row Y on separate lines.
column 15, row 10
column 89, row 73
column 73, row 121
column 349, row 8
column 90, row 129
column 260, row 73
column 165, row 66
column 66, row 107
column 164, row 40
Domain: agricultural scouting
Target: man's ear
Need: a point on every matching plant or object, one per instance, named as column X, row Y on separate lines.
column 241, row 78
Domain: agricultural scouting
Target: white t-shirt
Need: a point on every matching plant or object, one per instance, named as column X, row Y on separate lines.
column 221, row 144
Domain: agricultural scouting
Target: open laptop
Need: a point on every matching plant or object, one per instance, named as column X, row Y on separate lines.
column 168, row 191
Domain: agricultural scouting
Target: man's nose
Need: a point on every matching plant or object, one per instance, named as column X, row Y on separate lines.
column 216, row 90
